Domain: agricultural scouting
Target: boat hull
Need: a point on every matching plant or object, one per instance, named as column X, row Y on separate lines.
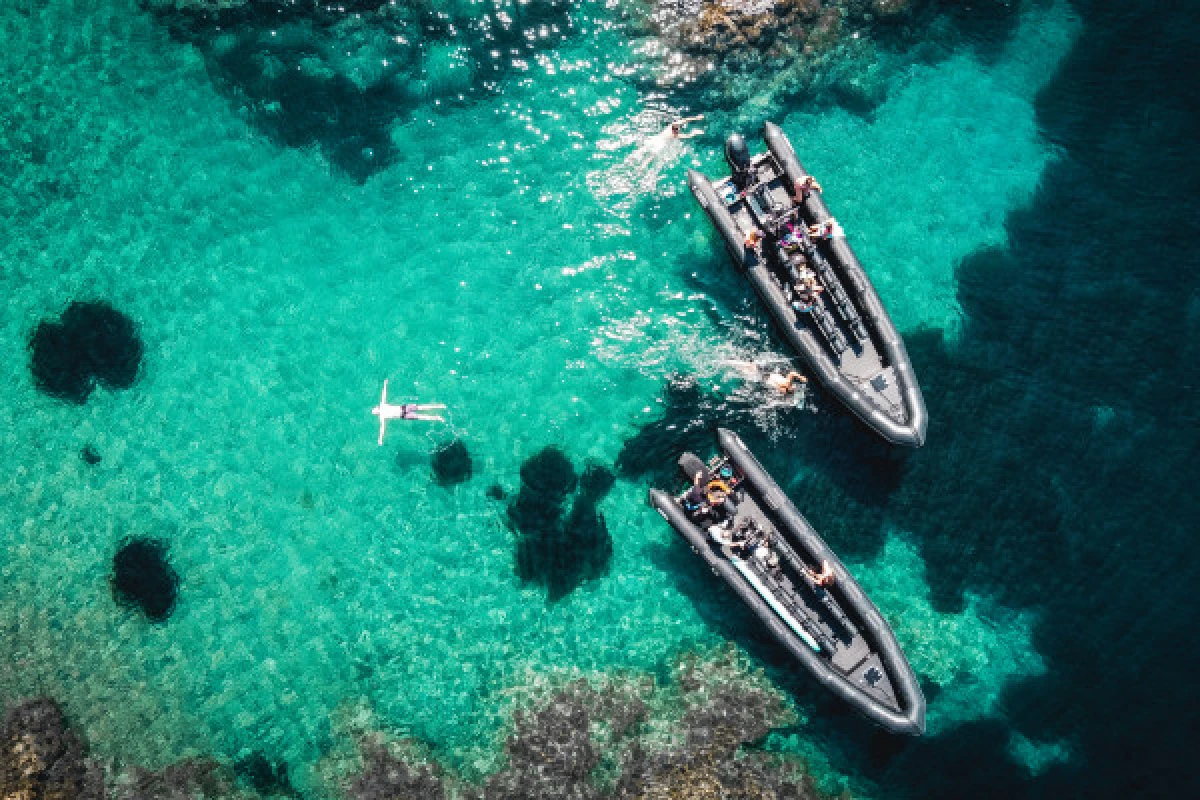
column 910, row 428
column 909, row 715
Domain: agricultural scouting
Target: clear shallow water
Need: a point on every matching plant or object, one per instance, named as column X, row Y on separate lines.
column 526, row 259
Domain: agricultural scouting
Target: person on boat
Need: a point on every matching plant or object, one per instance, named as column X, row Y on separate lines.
column 719, row 495
column 784, row 384
column 407, row 411
column 806, row 292
column 805, row 188
column 754, row 240
column 829, row 229
column 694, row 499
column 823, row 578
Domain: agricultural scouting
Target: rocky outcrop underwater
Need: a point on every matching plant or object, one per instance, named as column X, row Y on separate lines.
column 568, row 737
column 607, row 737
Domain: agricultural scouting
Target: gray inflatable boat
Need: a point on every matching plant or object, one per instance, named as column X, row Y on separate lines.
column 760, row 545
column 840, row 328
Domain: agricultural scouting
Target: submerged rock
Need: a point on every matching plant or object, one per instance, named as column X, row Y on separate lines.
column 620, row 737
column 556, row 552
column 338, row 75
column 90, row 455
column 452, row 464
column 41, row 759
column 190, row 779
column 91, row 343
column 143, row 578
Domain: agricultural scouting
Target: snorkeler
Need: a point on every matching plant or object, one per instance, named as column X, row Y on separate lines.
column 675, row 129
column 413, row 411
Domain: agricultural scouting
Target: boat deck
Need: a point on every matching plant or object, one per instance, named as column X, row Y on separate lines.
column 851, row 653
column 860, row 362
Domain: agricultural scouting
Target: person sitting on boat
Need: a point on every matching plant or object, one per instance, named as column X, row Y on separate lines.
column 719, row 495
column 805, row 188
column 806, row 293
column 754, row 240
column 829, row 229
column 823, row 578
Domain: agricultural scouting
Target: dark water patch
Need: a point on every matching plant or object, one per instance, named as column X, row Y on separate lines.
column 555, row 551
column 90, row 343
column 143, row 578
column 497, row 492
column 264, row 775
column 90, row 455
column 452, row 464
column 338, row 76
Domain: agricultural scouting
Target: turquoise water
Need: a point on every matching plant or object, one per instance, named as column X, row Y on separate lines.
column 514, row 247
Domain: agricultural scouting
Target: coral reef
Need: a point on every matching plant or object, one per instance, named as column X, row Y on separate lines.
column 41, row 759
column 143, row 578
column 91, row 343
column 619, row 737
column 556, row 553
column 452, row 464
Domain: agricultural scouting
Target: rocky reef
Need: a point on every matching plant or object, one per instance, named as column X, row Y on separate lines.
column 42, row 759
column 555, row 551
column 612, row 737
column 451, row 463
column 92, row 343
column 143, row 578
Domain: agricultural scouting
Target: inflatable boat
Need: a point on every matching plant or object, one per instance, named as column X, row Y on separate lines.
column 738, row 520
column 812, row 285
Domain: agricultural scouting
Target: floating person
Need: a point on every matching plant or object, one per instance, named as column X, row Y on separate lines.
column 413, row 411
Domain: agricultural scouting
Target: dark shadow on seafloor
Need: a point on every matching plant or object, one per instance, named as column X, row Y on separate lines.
column 1061, row 462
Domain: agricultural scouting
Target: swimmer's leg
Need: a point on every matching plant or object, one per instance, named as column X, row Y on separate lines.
column 425, row 417
column 428, row 406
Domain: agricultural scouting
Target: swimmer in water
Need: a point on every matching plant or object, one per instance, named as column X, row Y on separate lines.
column 784, row 384
column 413, row 411
column 675, row 129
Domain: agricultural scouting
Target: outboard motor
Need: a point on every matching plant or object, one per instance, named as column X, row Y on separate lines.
column 737, row 154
